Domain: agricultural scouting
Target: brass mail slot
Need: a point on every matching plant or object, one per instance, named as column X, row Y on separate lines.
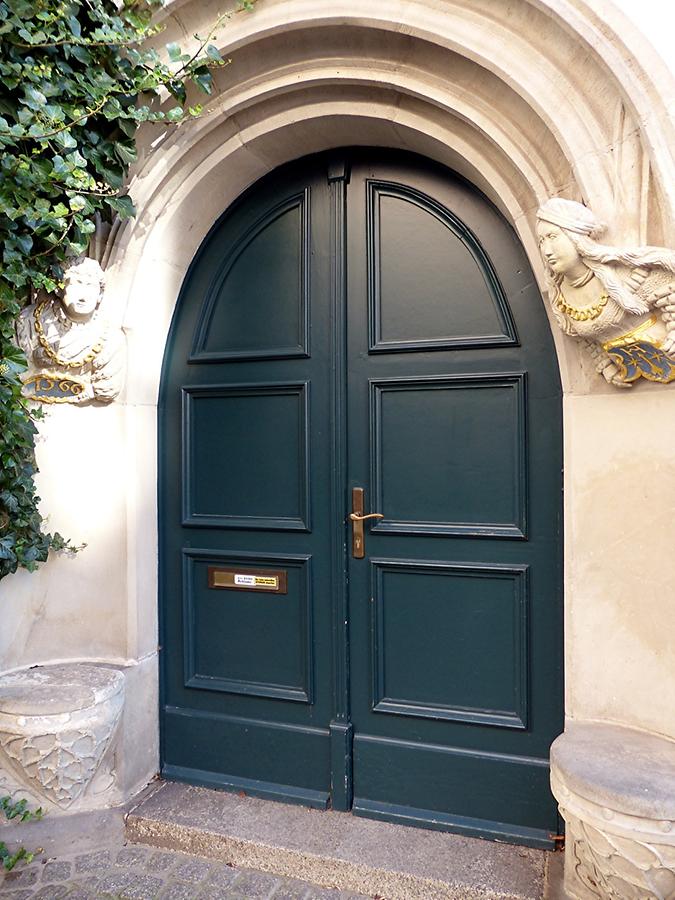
column 271, row 580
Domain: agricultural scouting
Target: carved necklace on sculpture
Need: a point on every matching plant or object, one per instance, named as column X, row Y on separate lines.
column 44, row 343
column 581, row 313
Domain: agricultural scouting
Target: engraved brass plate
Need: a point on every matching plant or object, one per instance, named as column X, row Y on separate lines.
column 271, row 580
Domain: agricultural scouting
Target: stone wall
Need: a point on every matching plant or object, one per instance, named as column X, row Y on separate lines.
column 528, row 99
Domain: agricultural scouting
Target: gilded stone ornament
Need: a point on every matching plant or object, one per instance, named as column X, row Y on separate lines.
column 619, row 302
column 73, row 353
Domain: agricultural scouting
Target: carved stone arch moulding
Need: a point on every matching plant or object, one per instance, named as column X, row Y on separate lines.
column 487, row 91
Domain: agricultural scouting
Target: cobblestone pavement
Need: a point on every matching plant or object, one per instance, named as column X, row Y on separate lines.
column 133, row 872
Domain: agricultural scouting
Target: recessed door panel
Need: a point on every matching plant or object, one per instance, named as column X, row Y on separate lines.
column 459, row 444
column 246, row 455
column 225, row 649
column 257, row 303
column 364, row 319
column 431, row 285
column 450, row 641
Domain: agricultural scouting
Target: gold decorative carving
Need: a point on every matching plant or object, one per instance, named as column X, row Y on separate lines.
column 73, row 354
column 619, row 302
column 582, row 315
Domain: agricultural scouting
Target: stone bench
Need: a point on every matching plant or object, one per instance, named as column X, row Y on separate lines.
column 57, row 728
column 616, row 791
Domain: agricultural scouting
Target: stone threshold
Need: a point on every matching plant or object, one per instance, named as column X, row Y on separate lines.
column 339, row 850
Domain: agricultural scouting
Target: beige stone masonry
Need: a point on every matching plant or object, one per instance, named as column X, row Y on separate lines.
column 616, row 790
column 527, row 99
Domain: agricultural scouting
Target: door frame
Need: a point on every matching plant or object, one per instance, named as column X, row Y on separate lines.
column 338, row 166
column 341, row 728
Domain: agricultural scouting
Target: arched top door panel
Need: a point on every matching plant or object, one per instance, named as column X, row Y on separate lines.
column 256, row 305
column 431, row 285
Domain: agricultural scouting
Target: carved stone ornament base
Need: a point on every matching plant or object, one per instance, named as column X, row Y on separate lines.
column 57, row 733
column 616, row 791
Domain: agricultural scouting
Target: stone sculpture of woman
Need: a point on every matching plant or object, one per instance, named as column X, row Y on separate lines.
column 72, row 352
column 619, row 302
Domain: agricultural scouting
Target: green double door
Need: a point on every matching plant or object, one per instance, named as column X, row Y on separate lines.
column 364, row 320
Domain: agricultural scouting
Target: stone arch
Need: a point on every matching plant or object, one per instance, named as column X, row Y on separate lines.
column 527, row 100
column 538, row 98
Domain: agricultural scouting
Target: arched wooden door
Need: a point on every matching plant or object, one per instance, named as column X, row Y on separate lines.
column 364, row 320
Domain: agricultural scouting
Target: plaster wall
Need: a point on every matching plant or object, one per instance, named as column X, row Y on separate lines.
column 527, row 99
column 620, row 568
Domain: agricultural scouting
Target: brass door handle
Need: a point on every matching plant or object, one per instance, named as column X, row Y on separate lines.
column 357, row 518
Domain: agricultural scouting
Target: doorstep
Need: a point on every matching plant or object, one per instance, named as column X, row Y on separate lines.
column 339, row 850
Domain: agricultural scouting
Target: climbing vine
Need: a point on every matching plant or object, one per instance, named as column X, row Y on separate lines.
column 77, row 79
column 16, row 810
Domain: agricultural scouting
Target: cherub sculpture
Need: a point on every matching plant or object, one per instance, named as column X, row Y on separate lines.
column 72, row 352
column 619, row 302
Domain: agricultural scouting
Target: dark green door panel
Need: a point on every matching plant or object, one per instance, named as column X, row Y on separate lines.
column 440, row 424
column 365, row 319
column 454, row 432
column 257, row 304
column 245, row 468
column 419, row 251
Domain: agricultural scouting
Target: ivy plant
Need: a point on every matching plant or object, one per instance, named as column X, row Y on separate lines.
column 77, row 79
column 16, row 810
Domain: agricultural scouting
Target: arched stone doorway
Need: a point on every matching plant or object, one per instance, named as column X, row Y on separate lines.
column 365, row 322
column 470, row 87
column 526, row 100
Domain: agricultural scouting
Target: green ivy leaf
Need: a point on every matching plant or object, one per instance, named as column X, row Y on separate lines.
column 174, row 51
column 214, row 53
column 203, row 79
column 126, row 152
column 34, row 98
column 123, row 205
column 65, row 140
column 24, row 242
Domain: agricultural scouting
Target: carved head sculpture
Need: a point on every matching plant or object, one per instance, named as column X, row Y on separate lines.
column 558, row 220
column 74, row 354
column 619, row 301
column 84, row 283
column 568, row 233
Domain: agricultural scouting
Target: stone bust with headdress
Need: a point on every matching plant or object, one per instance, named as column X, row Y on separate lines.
column 73, row 354
column 619, row 302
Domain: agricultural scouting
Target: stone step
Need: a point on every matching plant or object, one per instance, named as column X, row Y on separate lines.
column 338, row 850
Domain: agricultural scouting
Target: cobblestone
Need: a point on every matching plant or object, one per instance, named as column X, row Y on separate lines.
column 161, row 862
column 178, row 890
column 223, row 876
column 56, row 871
column 192, row 871
column 135, row 857
column 135, row 872
column 144, row 887
column 255, row 885
column 92, row 862
column 291, row 890
column 52, row 892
